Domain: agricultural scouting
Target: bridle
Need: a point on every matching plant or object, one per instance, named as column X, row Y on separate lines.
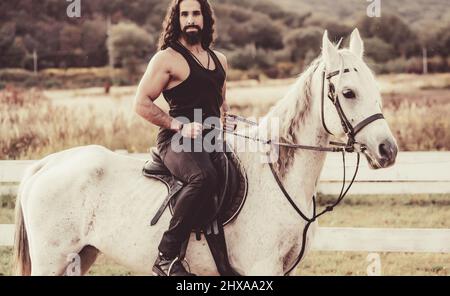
column 351, row 146
column 349, row 130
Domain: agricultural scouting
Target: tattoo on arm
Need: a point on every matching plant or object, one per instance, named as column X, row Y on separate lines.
column 152, row 113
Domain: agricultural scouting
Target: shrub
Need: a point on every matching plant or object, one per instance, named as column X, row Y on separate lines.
column 251, row 57
column 128, row 40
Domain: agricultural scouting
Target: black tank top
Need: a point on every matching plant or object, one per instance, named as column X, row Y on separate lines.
column 201, row 90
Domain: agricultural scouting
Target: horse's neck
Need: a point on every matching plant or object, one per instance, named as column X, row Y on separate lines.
column 299, row 123
column 301, row 178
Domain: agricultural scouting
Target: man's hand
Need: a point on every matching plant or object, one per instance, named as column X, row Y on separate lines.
column 229, row 122
column 191, row 130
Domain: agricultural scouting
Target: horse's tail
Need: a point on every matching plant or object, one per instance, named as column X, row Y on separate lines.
column 21, row 255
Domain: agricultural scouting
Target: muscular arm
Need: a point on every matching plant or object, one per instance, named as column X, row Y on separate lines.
column 224, row 107
column 228, row 123
column 223, row 61
column 150, row 87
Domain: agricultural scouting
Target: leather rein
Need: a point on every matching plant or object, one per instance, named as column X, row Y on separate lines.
column 351, row 146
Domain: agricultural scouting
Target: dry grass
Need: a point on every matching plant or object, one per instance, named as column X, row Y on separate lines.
column 420, row 120
column 34, row 123
column 6, row 216
column 408, row 83
column 32, row 126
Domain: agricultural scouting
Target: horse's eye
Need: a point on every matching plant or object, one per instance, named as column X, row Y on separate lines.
column 349, row 94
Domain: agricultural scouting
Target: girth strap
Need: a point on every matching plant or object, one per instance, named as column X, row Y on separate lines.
column 177, row 187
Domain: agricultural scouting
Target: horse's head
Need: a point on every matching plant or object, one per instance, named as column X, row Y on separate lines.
column 350, row 88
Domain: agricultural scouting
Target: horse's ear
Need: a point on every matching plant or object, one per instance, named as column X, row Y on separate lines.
column 329, row 53
column 356, row 43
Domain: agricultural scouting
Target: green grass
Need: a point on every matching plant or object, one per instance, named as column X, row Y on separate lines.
column 409, row 211
column 104, row 266
column 5, row 260
column 355, row 263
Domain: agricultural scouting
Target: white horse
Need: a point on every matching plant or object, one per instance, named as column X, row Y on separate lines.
column 88, row 200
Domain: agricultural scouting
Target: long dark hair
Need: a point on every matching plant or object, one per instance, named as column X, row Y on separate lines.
column 172, row 28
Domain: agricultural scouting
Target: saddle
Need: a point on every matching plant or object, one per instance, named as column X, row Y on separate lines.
column 224, row 208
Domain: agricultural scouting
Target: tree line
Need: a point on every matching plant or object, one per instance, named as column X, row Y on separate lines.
column 254, row 34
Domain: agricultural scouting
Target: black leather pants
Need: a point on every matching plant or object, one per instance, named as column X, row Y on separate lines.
column 196, row 171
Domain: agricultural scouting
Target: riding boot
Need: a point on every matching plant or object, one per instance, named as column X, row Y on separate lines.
column 218, row 247
column 165, row 266
column 183, row 250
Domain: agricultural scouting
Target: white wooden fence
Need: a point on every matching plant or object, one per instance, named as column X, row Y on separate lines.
column 350, row 239
column 414, row 173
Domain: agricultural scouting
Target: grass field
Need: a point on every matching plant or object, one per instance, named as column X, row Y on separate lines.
column 36, row 123
column 419, row 211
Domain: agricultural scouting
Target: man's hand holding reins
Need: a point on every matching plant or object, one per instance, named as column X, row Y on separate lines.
column 188, row 130
column 229, row 122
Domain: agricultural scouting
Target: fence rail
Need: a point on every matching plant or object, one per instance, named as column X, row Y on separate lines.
column 414, row 173
column 350, row 239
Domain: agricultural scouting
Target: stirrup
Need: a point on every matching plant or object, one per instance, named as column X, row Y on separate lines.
column 181, row 261
column 158, row 270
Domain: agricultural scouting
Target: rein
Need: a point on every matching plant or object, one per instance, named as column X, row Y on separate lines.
column 358, row 148
column 351, row 146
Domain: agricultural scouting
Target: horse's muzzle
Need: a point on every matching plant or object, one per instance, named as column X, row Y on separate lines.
column 388, row 153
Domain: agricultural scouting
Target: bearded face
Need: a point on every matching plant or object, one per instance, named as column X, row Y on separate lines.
column 192, row 34
column 191, row 21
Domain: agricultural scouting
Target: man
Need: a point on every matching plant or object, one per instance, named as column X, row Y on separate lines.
column 191, row 77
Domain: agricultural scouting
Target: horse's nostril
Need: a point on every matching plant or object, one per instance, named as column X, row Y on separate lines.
column 388, row 150
column 383, row 151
